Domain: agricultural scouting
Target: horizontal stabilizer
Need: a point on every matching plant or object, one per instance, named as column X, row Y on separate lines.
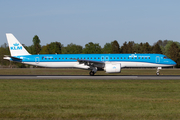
column 8, row 57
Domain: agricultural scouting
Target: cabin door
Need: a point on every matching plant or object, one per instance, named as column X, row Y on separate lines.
column 157, row 59
column 37, row 60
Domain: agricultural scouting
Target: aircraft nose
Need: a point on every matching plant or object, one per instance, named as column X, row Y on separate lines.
column 173, row 63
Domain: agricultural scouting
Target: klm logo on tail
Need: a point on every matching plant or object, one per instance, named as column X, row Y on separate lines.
column 16, row 47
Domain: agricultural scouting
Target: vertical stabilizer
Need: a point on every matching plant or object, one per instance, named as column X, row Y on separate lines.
column 15, row 46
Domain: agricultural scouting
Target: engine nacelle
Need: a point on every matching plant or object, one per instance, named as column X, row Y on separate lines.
column 113, row 67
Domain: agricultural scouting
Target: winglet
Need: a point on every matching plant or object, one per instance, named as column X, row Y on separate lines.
column 15, row 46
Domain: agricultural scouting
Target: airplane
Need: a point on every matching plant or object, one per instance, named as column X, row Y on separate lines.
column 110, row 63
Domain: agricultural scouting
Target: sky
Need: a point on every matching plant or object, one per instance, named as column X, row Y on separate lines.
column 83, row 21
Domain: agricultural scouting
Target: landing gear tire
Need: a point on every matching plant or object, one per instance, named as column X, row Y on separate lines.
column 91, row 73
column 157, row 73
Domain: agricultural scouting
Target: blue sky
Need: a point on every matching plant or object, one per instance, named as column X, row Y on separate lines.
column 84, row 21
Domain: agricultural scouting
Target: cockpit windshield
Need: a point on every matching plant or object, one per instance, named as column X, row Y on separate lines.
column 165, row 57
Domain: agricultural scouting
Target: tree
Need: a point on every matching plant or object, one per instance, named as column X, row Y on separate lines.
column 4, row 50
column 30, row 49
column 124, row 48
column 174, row 53
column 162, row 45
column 45, row 50
column 36, row 45
column 72, row 49
column 130, row 47
column 92, row 48
column 107, row 48
column 136, row 48
column 115, row 47
column 52, row 48
column 166, row 48
column 140, row 48
column 146, row 48
column 156, row 49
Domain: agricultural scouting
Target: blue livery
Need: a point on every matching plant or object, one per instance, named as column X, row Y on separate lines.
column 111, row 63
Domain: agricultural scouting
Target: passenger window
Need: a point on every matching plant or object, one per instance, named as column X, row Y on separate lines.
column 106, row 57
column 132, row 57
column 124, row 57
column 62, row 58
column 111, row 57
column 149, row 57
column 117, row 57
column 145, row 57
column 139, row 58
column 121, row 57
column 94, row 58
column 142, row 58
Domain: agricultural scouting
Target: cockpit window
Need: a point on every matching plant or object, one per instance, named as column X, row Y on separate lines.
column 165, row 57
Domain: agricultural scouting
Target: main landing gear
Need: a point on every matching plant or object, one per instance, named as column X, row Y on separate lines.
column 93, row 71
column 158, row 71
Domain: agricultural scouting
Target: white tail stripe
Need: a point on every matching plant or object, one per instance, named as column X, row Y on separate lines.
column 15, row 46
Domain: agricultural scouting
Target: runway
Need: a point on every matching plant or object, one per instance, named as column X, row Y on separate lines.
column 96, row 77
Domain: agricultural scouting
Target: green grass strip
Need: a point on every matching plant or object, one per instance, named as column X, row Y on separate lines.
column 90, row 99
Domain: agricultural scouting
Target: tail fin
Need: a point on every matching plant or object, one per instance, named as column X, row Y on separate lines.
column 15, row 46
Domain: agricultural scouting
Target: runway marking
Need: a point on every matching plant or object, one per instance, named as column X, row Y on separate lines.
column 87, row 77
column 140, row 77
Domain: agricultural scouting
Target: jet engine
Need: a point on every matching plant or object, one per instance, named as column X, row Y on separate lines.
column 112, row 68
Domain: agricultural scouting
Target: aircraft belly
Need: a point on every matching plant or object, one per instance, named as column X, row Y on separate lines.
column 52, row 64
column 77, row 65
column 142, row 64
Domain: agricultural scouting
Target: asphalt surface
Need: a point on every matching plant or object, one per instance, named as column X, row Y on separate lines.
column 101, row 77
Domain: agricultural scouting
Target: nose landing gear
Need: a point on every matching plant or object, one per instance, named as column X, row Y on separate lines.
column 158, row 71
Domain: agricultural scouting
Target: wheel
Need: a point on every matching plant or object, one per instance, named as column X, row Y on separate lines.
column 157, row 73
column 91, row 73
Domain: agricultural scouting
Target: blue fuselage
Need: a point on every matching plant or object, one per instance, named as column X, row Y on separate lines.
column 154, row 59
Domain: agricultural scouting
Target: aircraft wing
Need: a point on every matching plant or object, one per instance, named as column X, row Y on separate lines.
column 91, row 63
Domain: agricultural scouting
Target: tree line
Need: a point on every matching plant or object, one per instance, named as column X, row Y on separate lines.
column 167, row 47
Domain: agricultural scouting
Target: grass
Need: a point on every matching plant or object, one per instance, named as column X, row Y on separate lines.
column 90, row 99
column 49, row 71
